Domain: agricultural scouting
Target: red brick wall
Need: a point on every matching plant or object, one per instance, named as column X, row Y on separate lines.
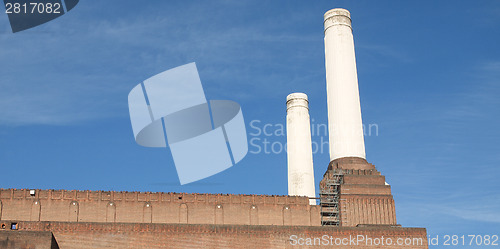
column 367, row 209
column 124, row 235
column 147, row 207
column 364, row 196
column 27, row 240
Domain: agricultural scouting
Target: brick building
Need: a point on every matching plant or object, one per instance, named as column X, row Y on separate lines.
column 106, row 219
column 356, row 207
column 356, row 211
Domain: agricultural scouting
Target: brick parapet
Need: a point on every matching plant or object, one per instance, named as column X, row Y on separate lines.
column 148, row 207
column 149, row 196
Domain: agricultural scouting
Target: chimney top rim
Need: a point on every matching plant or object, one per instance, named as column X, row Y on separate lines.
column 297, row 95
column 337, row 12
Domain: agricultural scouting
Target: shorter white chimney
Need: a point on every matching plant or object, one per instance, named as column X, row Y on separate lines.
column 299, row 147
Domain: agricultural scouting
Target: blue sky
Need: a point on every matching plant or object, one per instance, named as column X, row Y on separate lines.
column 428, row 76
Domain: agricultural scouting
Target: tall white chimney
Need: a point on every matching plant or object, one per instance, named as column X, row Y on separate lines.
column 299, row 147
column 344, row 112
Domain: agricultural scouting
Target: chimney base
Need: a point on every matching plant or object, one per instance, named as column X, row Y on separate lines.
column 353, row 192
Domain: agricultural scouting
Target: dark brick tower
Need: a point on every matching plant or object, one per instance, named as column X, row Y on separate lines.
column 354, row 193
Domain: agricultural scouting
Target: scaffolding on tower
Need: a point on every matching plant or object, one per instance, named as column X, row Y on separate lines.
column 330, row 199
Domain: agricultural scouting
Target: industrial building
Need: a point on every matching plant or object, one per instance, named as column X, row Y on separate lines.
column 355, row 208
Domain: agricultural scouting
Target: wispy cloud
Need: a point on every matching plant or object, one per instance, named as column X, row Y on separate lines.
column 484, row 208
column 81, row 69
column 382, row 51
column 480, row 96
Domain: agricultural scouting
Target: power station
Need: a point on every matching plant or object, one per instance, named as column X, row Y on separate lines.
column 355, row 202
